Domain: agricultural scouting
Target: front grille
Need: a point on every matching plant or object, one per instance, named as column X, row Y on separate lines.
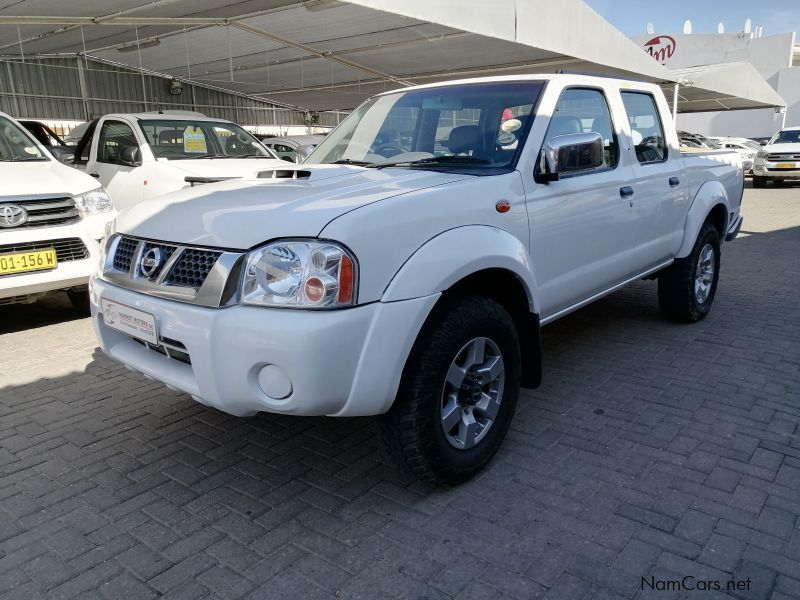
column 192, row 267
column 778, row 156
column 46, row 212
column 67, row 249
column 124, row 255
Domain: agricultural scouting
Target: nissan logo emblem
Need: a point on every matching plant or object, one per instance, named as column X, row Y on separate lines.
column 151, row 261
column 12, row 215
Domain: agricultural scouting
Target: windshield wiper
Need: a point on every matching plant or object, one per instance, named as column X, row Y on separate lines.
column 350, row 161
column 436, row 161
column 24, row 159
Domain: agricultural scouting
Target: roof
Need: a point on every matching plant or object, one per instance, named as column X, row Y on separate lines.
column 724, row 86
column 333, row 54
column 326, row 54
column 154, row 116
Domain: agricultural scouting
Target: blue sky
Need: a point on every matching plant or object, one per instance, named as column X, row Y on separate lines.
column 631, row 16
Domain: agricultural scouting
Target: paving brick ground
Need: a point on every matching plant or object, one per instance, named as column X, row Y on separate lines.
column 653, row 450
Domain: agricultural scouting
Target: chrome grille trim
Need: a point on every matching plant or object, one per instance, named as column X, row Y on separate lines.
column 778, row 156
column 211, row 292
column 45, row 210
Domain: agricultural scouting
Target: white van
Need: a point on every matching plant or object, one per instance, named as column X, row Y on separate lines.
column 52, row 219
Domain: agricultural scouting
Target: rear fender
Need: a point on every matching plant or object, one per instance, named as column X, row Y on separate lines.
column 710, row 194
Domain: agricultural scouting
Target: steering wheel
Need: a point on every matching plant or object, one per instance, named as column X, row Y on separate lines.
column 388, row 150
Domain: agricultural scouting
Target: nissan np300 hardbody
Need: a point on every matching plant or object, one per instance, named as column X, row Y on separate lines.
column 406, row 268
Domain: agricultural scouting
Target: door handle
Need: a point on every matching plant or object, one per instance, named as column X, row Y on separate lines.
column 95, row 175
column 626, row 191
column 674, row 182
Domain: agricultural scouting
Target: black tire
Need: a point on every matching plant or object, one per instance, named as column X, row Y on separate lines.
column 676, row 284
column 759, row 182
column 412, row 429
column 80, row 300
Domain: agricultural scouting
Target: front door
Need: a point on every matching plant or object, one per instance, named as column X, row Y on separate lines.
column 582, row 233
column 117, row 176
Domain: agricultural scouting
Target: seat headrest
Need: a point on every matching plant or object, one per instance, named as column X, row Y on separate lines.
column 464, row 138
column 564, row 126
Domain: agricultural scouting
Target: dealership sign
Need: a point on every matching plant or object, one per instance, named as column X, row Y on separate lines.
column 661, row 47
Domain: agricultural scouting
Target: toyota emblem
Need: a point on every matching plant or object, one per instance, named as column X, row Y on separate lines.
column 151, row 261
column 12, row 215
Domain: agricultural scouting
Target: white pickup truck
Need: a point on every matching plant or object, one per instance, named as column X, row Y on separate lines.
column 52, row 219
column 406, row 268
column 140, row 156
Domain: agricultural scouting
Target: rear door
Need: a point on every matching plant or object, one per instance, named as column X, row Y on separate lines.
column 582, row 234
column 660, row 183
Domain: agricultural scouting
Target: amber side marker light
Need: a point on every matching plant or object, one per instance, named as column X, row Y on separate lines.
column 503, row 206
column 345, row 281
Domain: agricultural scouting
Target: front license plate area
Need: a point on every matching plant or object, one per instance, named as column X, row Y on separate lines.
column 132, row 321
column 785, row 166
column 23, row 262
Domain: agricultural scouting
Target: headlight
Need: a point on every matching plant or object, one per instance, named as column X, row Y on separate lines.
column 300, row 274
column 91, row 203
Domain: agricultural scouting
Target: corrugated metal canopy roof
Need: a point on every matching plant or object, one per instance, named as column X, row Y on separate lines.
column 328, row 54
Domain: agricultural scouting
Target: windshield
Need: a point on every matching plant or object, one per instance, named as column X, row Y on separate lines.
column 16, row 145
column 474, row 126
column 787, row 136
column 182, row 139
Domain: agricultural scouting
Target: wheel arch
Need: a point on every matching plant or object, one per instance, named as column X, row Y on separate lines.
column 709, row 204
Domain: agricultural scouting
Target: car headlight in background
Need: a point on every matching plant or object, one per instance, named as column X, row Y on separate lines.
column 300, row 274
column 93, row 202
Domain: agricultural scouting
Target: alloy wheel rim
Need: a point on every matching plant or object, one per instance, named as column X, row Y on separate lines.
column 472, row 393
column 704, row 274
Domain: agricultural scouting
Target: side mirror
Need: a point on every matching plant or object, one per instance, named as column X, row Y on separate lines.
column 764, row 142
column 63, row 154
column 131, row 156
column 569, row 153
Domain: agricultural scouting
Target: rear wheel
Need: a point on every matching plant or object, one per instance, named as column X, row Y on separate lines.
column 458, row 392
column 686, row 289
column 759, row 182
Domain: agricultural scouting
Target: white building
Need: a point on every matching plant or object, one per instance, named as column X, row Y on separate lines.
column 776, row 57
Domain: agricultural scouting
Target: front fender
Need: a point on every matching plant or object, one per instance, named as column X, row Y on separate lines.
column 707, row 197
column 454, row 254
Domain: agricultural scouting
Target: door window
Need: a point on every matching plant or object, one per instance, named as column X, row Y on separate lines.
column 115, row 136
column 646, row 129
column 582, row 110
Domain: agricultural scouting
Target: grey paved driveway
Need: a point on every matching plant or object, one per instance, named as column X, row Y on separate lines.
column 654, row 453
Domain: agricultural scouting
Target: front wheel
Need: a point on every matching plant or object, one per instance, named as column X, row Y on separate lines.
column 686, row 289
column 759, row 182
column 458, row 392
column 80, row 300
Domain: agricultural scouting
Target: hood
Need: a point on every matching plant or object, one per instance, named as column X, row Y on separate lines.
column 227, row 167
column 295, row 201
column 43, row 177
column 793, row 148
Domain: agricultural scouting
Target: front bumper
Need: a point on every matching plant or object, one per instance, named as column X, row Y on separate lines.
column 340, row 362
column 762, row 168
column 67, row 274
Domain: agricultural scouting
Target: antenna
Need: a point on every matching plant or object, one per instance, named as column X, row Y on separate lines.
column 687, row 27
column 650, row 29
column 720, row 28
column 748, row 26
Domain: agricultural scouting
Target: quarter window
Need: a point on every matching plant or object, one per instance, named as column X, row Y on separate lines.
column 115, row 136
column 646, row 129
column 585, row 111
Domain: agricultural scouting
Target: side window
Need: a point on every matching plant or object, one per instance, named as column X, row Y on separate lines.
column 646, row 129
column 115, row 136
column 585, row 111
